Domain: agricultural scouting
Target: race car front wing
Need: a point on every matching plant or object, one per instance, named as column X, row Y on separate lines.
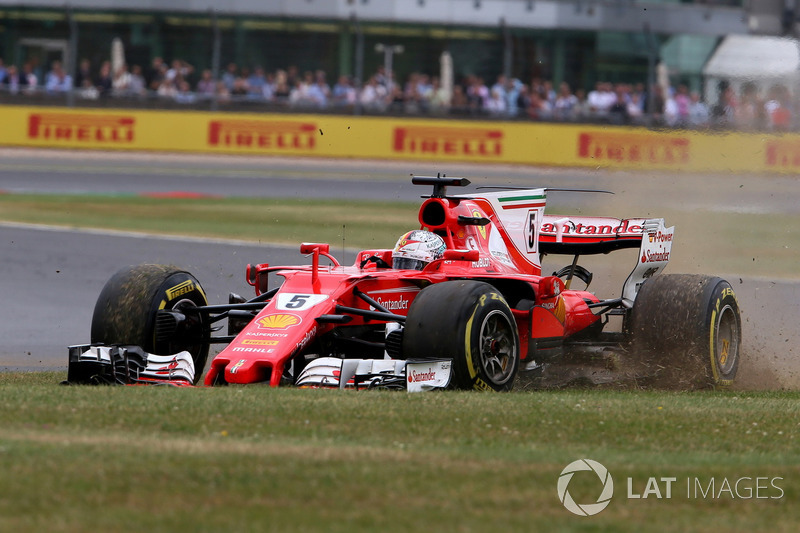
column 131, row 365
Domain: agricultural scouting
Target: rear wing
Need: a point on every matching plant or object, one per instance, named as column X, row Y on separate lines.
column 584, row 235
column 601, row 235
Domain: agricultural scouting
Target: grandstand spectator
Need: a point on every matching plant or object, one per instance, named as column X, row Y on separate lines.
column 698, row 111
column 655, row 106
column 414, row 99
column 635, row 112
column 500, row 86
column 539, row 108
column 565, row 102
column 298, row 96
column 373, row 95
column 424, row 88
column 439, row 101
column 239, row 87
column 179, row 68
column 292, row 76
column 255, row 83
column 459, row 103
column 206, row 86
column 750, row 113
column 230, row 75
column 683, row 103
column 417, row 93
column 137, row 85
column 618, row 111
column 670, row 116
column 601, row 99
column 641, row 94
column 120, row 85
column 523, row 100
column 396, row 100
column 223, row 95
column 183, row 93
column 155, row 75
column 84, row 73
column 29, row 78
column 167, row 89
column 282, row 90
column 12, row 81
column 779, row 115
column 319, row 91
column 595, row 97
column 581, row 110
column 3, row 71
column 495, row 105
column 57, row 79
column 513, row 87
column 536, row 85
column 548, row 93
column 477, row 94
column 343, row 93
column 88, row 91
column 723, row 114
column 268, row 89
column 382, row 79
column 104, row 81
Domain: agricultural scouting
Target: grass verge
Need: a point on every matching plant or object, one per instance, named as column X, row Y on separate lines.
column 359, row 224
column 260, row 459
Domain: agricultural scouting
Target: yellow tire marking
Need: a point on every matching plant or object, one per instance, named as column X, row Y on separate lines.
column 711, row 345
column 468, row 344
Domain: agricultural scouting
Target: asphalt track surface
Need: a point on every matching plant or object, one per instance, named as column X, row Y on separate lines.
column 50, row 277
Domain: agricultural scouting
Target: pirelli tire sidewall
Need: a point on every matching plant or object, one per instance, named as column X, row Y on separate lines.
column 689, row 326
column 725, row 329
column 125, row 312
column 447, row 320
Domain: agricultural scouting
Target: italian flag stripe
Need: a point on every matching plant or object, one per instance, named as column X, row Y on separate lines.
column 523, row 206
column 517, row 198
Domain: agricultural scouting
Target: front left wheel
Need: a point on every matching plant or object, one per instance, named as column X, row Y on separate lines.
column 470, row 323
column 128, row 308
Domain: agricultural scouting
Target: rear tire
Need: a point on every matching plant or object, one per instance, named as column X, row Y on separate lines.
column 126, row 311
column 470, row 323
column 687, row 329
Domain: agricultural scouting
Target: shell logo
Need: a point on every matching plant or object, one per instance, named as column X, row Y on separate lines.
column 481, row 229
column 561, row 310
column 278, row 321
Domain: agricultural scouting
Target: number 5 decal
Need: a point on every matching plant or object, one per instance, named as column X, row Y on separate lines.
column 532, row 231
column 299, row 302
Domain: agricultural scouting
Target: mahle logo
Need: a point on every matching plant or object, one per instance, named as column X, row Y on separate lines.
column 585, row 509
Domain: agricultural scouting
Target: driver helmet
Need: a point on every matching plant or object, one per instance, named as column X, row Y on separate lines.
column 416, row 249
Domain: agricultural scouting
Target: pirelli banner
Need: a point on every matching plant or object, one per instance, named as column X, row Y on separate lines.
column 398, row 138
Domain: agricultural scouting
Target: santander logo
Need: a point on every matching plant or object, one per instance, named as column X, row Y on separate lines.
column 416, row 377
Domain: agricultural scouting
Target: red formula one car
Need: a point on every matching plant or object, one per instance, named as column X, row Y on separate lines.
column 460, row 303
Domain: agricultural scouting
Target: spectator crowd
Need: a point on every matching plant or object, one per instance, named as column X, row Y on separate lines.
column 420, row 93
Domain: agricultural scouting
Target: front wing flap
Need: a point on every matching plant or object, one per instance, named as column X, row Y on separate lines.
column 413, row 376
column 127, row 365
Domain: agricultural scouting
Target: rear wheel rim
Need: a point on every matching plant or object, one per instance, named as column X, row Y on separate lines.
column 498, row 347
column 727, row 346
